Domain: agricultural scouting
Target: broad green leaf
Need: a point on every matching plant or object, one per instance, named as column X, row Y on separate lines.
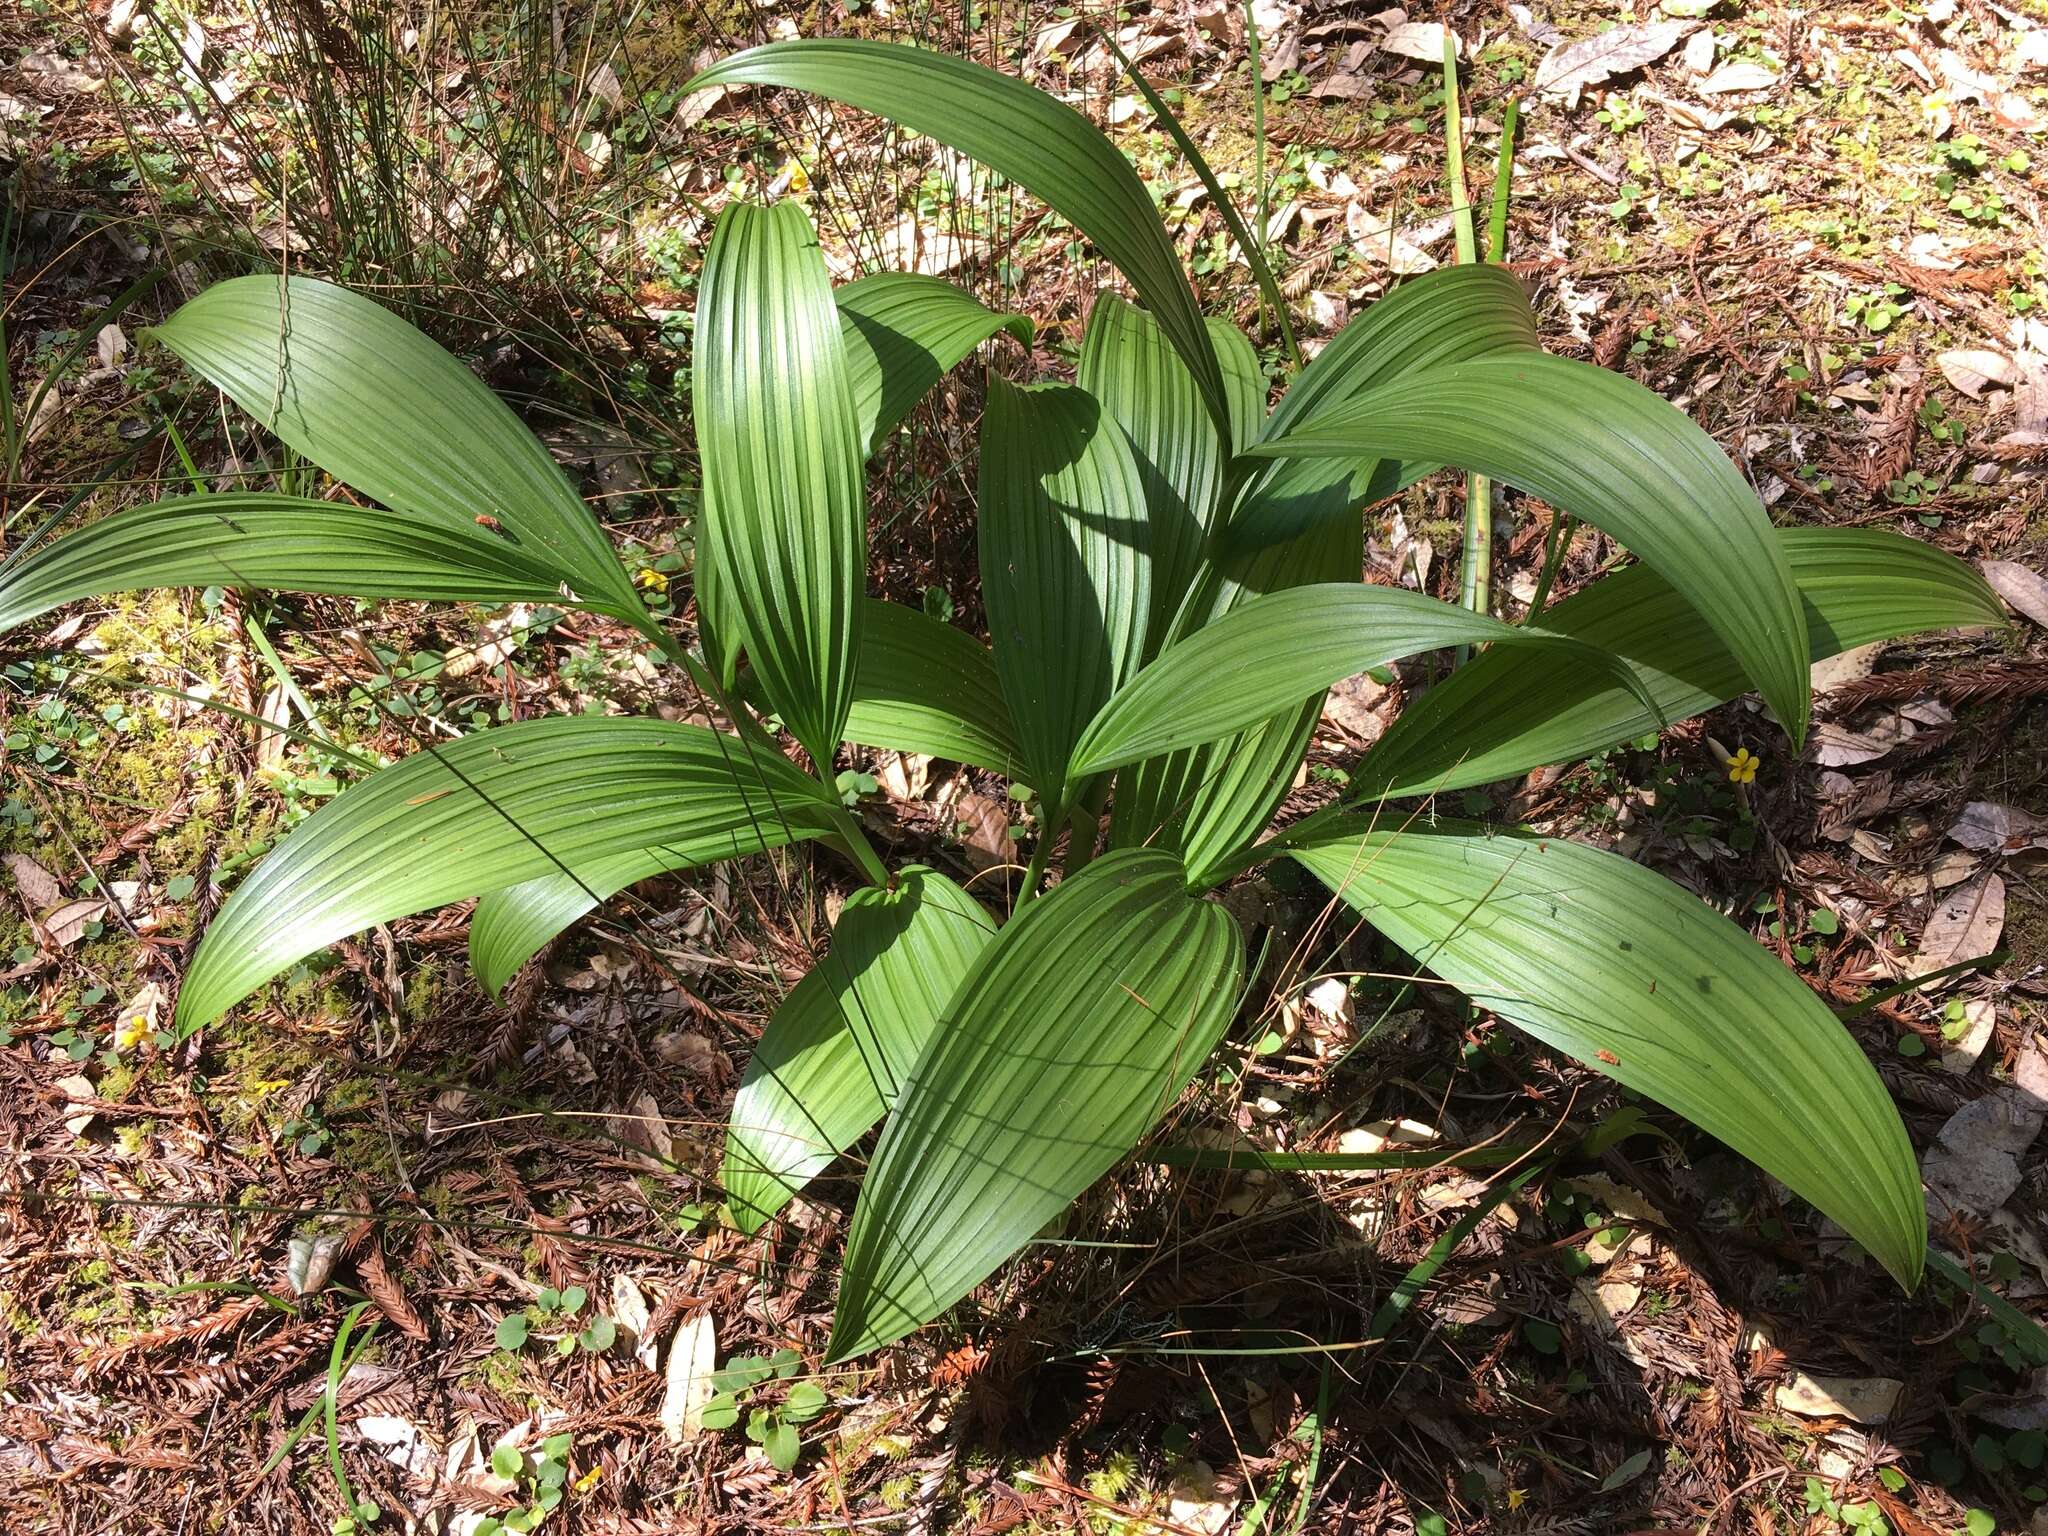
column 278, row 543
column 1076, row 1029
column 380, row 407
column 903, row 332
column 511, row 925
column 1640, row 980
column 1288, row 646
column 1208, row 802
column 489, row 810
column 1510, row 711
column 1440, row 318
column 1607, row 450
column 783, row 519
column 1042, row 144
column 1211, row 801
column 1063, row 538
column 1129, row 365
column 835, row 1055
column 924, row 686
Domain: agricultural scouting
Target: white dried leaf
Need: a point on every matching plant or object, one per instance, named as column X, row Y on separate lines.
column 692, row 1357
column 2024, row 590
column 39, row 888
column 1859, row 1399
column 1965, row 923
column 1973, row 370
column 1571, row 67
column 1423, row 40
column 1738, row 75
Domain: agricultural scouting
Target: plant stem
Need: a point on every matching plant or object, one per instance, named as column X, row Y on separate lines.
column 1475, row 569
column 1041, row 855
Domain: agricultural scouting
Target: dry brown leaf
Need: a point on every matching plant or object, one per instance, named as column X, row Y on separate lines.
column 1965, row 923
column 2024, row 590
column 67, row 924
column 1990, row 826
column 38, row 887
column 1570, row 67
column 1859, row 1399
column 1972, row 370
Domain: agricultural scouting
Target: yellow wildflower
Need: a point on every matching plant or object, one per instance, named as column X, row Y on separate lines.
column 1742, row 767
column 133, row 1031
column 1516, row 1498
column 651, row 579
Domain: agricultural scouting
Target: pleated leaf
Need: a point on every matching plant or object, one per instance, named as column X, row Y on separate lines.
column 924, row 686
column 1289, row 646
column 1129, row 365
column 510, row 926
column 1640, row 980
column 784, row 512
column 380, row 407
column 1076, row 1029
column 1510, row 711
column 835, row 1056
column 1208, row 802
column 903, row 332
column 278, row 543
column 1042, row 144
column 490, row 810
column 1443, row 317
column 1063, row 543
column 1602, row 447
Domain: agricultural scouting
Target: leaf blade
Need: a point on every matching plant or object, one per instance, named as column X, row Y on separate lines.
column 1609, row 451
column 1042, row 1073
column 1639, row 980
column 380, row 407
column 836, row 1053
column 1506, row 713
column 903, row 332
column 489, row 810
column 783, row 519
column 1036, row 141
column 1063, row 570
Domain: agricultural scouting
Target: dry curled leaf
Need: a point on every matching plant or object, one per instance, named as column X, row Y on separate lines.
column 691, row 1360
column 1965, row 923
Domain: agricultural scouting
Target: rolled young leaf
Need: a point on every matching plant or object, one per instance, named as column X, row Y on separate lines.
column 924, row 686
column 1076, row 1029
column 1510, row 711
column 783, row 521
column 493, row 809
column 1607, row 450
column 1040, row 143
column 1063, row 566
column 903, row 333
column 1288, row 646
column 277, row 543
column 380, row 407
column 837, row 1052
column 1640, row 980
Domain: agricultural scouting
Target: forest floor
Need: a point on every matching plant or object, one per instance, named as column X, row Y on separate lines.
column 377, row 1232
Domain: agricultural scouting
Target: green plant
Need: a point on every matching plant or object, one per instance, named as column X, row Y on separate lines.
column 1171, row 576
column 743, row 1385
column 540, row 1479
column 560, row 1309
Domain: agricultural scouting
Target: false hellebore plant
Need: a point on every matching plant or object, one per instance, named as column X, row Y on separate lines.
column 1171, row 574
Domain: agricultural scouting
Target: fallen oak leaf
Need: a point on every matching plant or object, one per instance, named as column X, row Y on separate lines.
column 1571, row 67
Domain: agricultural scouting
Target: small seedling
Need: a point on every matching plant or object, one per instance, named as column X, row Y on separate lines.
column 563, row 1306
column 769, row 1425
column 539, row 1479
